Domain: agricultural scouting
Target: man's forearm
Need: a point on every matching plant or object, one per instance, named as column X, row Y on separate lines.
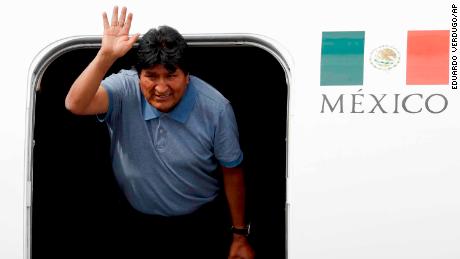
column 86, row 85
column 235, row 192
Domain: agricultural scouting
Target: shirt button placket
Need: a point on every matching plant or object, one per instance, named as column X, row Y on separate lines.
column 160, row 134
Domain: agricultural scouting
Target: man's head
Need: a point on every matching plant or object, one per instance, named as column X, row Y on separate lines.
column 162, row 67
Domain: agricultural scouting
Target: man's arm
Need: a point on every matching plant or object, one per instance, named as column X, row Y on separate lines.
column 235, row 191
column 86, row 96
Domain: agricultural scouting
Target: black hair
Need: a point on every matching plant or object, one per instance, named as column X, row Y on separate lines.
column 162, row 46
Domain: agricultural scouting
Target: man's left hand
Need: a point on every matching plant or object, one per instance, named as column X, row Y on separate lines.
column 240, row 248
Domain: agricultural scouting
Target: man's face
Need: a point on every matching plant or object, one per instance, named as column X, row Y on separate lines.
column 161, row 88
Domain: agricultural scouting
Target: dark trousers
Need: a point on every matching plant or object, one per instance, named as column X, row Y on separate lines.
column 203, row 234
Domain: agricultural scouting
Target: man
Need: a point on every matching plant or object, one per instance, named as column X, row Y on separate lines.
column 169, row 132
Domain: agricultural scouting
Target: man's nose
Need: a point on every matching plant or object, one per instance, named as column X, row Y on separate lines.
column 161, row 87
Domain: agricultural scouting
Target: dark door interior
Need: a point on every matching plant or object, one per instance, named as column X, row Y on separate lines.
column 77, row 207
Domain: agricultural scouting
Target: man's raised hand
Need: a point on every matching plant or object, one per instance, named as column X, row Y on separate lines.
column 116, row 41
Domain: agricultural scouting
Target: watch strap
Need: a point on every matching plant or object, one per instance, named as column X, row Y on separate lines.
column 244, row 231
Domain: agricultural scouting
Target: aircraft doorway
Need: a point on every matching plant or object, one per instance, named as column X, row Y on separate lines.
column 76, row 206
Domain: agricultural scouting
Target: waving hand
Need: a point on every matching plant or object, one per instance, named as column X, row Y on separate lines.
column 116, row 41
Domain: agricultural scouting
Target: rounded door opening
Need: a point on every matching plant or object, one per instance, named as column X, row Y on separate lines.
column 77, row 207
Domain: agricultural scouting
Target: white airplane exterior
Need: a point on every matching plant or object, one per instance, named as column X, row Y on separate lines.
column 372, row 114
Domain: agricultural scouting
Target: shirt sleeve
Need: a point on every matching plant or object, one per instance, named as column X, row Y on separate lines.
column 115, row 87
column 226, row 142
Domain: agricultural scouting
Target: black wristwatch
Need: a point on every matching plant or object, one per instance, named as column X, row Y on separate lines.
column 244, row 231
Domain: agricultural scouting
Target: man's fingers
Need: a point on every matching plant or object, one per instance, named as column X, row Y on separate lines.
column 105, row 20
column 127, row 25
column 121, row 21
column 133, row 39
column 115, row 16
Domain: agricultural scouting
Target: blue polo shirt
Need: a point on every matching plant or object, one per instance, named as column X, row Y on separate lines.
column 165, row 162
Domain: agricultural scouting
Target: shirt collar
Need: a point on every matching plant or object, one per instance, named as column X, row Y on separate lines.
column 180, row 113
